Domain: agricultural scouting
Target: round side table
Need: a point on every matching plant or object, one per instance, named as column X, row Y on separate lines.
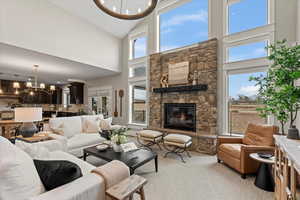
column 264, row 178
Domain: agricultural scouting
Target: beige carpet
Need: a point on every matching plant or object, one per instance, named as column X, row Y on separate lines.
column 201, row 178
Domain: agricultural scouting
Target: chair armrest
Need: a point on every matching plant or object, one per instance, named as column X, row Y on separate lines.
column 255, row 149
column 89, row 186
column 229, row 140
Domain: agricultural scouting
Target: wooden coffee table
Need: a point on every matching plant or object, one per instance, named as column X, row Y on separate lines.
column 133, row 159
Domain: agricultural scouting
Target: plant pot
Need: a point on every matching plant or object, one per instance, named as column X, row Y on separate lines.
column 293, row 133
column 117, row 148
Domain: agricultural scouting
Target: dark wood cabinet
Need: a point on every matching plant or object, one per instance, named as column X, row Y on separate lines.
column 76, row 93
column 57, row 96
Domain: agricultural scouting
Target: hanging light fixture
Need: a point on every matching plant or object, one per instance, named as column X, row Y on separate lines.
column 41, row 86
column 127, row 9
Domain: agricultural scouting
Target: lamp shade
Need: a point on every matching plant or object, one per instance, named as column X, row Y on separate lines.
column 28, row 114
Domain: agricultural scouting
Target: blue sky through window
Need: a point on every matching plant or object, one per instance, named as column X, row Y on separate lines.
column 247, row 14
column 248, row 51
column 184, row 25
column 140, row 47
column 239, row 84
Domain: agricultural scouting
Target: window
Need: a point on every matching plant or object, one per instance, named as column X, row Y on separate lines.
column 247, row 14
column 139, row 47
column 185, row 25
column 248, row 51
column 138, row 103
column 243, row 101
column 137, row 71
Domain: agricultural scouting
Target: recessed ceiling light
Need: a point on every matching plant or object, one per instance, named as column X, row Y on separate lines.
column 114, row 8
column 102, row 1
column 127, row 11
column 139, row 10
column 149, row 3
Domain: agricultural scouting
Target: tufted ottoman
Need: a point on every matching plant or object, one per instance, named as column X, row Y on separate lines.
column 148, row 138
column 177, row 144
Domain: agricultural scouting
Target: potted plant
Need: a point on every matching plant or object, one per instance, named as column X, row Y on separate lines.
column 277, row 90
column 118, row 137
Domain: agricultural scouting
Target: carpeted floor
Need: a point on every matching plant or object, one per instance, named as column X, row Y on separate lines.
column 201, row 178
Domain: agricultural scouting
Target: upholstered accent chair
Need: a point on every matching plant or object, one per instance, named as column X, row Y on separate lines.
column 235, row 151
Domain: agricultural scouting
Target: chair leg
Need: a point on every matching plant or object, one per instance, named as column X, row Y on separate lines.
column 188, row 154
column 243, row 176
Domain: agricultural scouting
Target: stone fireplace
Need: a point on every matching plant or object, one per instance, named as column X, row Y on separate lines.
column 202, row 58
column 180, row 116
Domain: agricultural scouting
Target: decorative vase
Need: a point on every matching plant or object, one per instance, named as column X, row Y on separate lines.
column 293, row 133
column 117, row 148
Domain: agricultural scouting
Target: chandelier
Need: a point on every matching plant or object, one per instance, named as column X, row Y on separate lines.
column 127, row 9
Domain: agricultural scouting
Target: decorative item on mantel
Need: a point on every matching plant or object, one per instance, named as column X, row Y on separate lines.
column 195, row 77
column 164, row 81
column 178, row 73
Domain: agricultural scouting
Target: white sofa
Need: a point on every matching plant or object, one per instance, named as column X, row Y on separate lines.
column 76, row 140
column 20, row 180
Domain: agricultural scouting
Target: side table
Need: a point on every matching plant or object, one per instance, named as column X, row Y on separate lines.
column 264, row 178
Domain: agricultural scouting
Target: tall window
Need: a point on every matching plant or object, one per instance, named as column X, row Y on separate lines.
column 243, row 102
column 139, row 47
column 247, row 14
column 138, row 103
column 184, row 25
column 247, row 51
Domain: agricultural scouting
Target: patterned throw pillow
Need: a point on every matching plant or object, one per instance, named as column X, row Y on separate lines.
column 105, row 124
column 92, row 126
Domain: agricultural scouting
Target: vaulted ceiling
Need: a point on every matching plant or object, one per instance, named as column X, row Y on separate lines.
column 87, row 10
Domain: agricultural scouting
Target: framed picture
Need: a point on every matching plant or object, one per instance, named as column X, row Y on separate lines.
column 178, row 73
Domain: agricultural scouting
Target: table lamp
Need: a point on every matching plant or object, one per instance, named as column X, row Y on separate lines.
column 28, row 115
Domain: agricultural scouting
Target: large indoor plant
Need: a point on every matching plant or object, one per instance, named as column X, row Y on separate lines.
column 118, row 137
column 277, row 90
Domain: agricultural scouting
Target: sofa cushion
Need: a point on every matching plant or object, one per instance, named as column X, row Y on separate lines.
column 19, row 178
column 70, row 125
column 85, row 118
column 55, row 173
column 261, row 135
column 233, row 150
column 84, row 140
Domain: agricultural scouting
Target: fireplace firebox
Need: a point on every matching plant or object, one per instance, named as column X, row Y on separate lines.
column 180, row 116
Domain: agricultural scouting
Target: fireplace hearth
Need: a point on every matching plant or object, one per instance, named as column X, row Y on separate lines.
column 180, row 116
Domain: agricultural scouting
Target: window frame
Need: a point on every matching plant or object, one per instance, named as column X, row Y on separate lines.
column 270, row 16
column 168, row 5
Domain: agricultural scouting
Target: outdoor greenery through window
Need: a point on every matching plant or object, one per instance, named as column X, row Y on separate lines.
column 138, row 105
column 243, row 102
column 184, row 25
column 139, row 47
column 247, row 51
column 247, row 14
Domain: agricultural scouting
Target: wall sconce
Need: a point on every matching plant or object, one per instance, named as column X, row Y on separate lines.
column 52, row 87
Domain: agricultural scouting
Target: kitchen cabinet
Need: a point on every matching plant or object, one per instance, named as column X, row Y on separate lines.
column 76, row 93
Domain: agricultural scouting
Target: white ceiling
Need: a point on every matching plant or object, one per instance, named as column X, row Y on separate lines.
column 87, row 10
column 15, row 60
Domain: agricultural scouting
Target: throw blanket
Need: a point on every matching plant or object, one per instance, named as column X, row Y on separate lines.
column 113, row 173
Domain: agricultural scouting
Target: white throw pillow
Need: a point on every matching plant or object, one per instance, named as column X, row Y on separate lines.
column 66, row 129
column 92, row 126
column 105, row 124
column 19, row 177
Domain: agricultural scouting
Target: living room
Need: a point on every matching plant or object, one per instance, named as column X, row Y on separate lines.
column 151, row 99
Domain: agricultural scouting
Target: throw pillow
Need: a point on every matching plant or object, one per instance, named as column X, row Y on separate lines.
column 92, row 126
column 55, row 173
column 59, row 130
column 19, row 178
column 34, row 150
column 105, row 124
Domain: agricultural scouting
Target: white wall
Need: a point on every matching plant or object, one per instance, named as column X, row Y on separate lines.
column 117, row 82
column 43, row 27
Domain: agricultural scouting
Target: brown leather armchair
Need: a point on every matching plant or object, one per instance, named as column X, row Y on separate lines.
column 235, row 151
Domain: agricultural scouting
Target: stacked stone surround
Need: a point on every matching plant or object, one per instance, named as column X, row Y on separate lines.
column 202, row 58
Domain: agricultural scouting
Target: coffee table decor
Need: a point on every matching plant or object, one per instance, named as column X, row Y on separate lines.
column 118, row 137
